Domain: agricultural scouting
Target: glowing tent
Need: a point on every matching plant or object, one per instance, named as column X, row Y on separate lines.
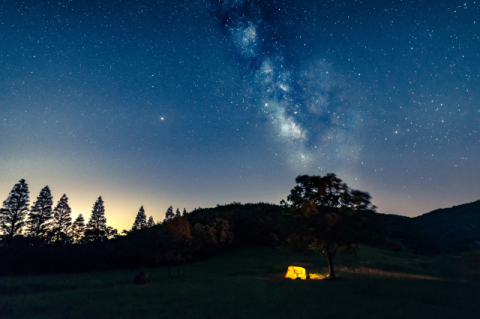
column 294, row 272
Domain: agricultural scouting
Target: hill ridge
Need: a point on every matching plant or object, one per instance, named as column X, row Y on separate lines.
column 461, row 207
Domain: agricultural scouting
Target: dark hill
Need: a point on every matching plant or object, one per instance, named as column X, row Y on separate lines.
column 446, row 229
column 442, row 230
column 455, row 228
column 250, row 223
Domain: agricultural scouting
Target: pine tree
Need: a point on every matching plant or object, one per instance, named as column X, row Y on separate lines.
column 184, row 213
column 150, row 222
column 14, row 210
column 111, row 233
column 78, row 229
column 140, row 220
column 62, row 220
column 177, row 213
column 169, row 214
column 97, row 225
column 40, row 216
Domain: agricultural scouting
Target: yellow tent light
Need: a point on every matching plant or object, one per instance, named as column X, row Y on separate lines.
column 294, row 272
column 315, row 276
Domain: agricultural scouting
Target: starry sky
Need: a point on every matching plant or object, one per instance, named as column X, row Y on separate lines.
column 199, row 103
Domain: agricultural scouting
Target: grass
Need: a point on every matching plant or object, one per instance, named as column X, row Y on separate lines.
column 250, row 284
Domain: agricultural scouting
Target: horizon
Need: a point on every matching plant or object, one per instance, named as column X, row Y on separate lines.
column 110, row 208
column 194, row 104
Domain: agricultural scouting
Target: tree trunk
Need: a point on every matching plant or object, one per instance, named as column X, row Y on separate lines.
column 331, row 270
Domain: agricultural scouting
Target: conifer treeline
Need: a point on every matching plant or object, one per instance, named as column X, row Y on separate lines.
column 43, row 239
column 44, row 224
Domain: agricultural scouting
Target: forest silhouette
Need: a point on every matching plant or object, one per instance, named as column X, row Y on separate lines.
column 321, row 213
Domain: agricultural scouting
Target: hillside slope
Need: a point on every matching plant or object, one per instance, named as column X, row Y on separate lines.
column 446, row 229
column 455, row 228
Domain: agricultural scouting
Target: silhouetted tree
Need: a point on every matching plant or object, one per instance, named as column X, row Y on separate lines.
column 40, row 216
column 177, row 213
column 150, row 222
column 213, row 237
column 184, row 213
column 179, row 227
column 14, row 210
column 140, row 220
column 319, row 215
column 97, row 225
column 111, row 233
column 169, row 214
column 222, row 228
column 62, row 220
column 78, row 229
column 251, row 224
column 177, row 247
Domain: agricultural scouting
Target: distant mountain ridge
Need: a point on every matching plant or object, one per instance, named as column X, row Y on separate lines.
column 469, row 208
column 445, row 229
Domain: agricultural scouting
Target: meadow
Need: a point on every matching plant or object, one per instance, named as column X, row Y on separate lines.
column 250, row 283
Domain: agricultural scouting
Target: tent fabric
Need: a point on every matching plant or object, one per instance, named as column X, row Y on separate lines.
column 294, row 272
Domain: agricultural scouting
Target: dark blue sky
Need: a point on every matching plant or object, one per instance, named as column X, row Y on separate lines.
column 194, row 103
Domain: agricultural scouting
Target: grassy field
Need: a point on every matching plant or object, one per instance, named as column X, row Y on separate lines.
column 250, row 284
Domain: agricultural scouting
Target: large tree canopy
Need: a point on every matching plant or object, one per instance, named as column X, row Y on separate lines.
column 319, row 214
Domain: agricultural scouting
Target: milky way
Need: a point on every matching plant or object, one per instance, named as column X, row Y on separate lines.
column 195, row 103
column 305, row 105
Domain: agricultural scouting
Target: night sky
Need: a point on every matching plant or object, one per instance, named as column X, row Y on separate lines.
column 199, row 103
